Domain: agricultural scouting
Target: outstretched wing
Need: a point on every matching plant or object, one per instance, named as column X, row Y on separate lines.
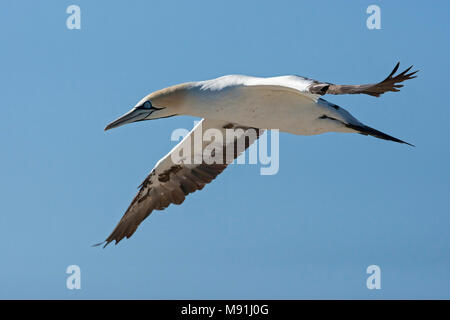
column 391, row 83
column 187, row 168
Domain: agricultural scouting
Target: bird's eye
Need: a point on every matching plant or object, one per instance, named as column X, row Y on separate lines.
column 147, row 105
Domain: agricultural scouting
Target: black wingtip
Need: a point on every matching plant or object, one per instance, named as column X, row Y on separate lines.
column 409, row 144
column 365, row 130
column 395, row 69
column 100, row 243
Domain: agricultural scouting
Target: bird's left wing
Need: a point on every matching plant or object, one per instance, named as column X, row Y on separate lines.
column 188, row 167
column 391, row 83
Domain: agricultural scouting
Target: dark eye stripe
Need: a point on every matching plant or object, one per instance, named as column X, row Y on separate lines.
column 147, row 105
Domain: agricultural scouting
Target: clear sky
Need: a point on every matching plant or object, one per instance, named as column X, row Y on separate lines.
column 340, row 202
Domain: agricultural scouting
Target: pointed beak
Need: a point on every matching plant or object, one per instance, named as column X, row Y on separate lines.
column 135, row 114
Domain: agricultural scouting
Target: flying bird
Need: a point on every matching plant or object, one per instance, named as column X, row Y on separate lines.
column 289, row 103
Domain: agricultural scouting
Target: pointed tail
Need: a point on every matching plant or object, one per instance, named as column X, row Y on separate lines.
column 365, row 130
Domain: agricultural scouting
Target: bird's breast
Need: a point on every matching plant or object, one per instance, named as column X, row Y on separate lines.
column 260, row 107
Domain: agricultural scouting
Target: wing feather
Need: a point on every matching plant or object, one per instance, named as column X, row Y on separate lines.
column 391, row 83
column 171, row 182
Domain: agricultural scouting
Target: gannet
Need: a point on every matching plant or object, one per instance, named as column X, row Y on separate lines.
column 289, row 103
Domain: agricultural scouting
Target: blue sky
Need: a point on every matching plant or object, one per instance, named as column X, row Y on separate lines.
column 339, row 203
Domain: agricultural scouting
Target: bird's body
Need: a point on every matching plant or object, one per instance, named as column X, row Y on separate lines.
column 258, row 102
column 281, row 103
column 288, row 103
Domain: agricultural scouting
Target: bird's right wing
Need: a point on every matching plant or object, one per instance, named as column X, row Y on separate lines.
column 391, row 83
column 181, row 172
